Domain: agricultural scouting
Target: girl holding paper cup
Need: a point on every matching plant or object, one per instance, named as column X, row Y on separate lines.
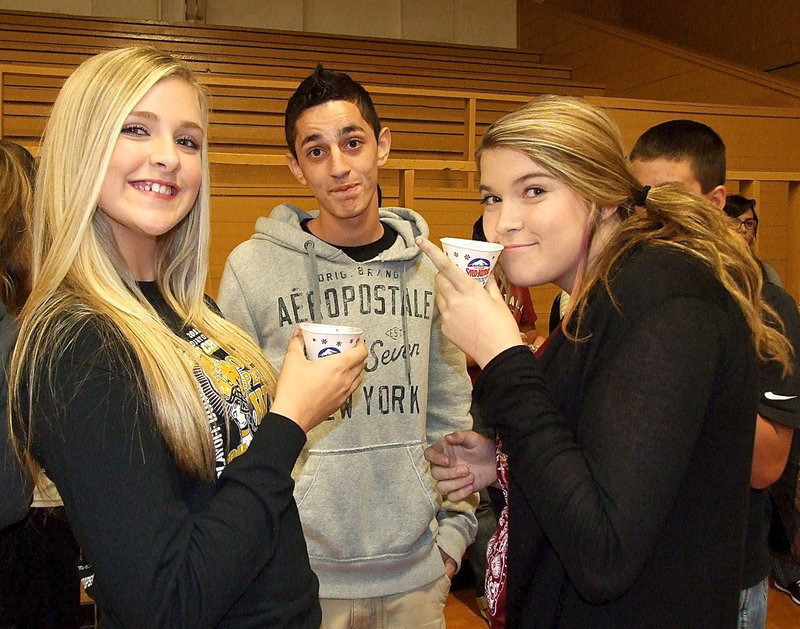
column 624, row 447
column 167, row 432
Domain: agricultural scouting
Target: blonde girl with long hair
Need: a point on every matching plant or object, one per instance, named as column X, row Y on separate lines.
column 167, row 432
column 624, row 445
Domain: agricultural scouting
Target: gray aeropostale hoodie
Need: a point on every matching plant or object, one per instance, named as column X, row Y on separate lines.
column 371, row 514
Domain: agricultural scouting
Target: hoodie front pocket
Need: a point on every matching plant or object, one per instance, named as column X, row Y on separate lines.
column 366, row 503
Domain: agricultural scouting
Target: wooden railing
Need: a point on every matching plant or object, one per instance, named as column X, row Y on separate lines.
column 440, row 183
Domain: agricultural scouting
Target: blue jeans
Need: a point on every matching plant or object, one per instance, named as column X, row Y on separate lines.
column 753, row 606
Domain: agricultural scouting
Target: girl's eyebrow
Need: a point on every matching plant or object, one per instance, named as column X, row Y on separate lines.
column 523, row 178
column 149, row 115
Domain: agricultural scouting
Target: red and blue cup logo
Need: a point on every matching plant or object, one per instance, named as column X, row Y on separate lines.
column 479, row 268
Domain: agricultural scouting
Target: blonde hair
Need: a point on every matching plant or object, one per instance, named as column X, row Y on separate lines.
column 582, row 147
column 78, row 273
column 15, row 200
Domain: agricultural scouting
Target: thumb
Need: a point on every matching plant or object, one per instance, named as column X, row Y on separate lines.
column 458, row 438
column 296, row 343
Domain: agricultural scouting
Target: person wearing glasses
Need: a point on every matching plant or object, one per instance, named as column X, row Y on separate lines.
column 693, row 155
column 780, row 430
column 743, row 213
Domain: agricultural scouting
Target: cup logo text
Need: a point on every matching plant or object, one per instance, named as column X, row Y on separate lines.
column 478, row 268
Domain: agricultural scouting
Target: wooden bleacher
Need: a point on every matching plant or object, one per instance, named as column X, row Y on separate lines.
column 284, row 55
column 436, row 98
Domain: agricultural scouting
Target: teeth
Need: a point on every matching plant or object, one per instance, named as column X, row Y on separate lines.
column 149, row 186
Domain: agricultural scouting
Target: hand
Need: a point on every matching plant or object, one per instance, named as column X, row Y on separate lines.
column 450, row 565
column 308, row 392
column 463, row 463
column 533, row 338
column 477, row 320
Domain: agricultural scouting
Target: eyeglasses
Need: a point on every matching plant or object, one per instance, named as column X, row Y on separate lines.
column 749, row 224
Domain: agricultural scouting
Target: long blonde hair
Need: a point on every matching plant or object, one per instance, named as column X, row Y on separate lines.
column 582, row 147
column 78, row 273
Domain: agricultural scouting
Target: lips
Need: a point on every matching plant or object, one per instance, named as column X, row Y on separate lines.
column 344, row 189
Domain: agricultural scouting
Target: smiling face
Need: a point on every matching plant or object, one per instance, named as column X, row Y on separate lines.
column 542, row 223
column 155, row 172
column 338, row 158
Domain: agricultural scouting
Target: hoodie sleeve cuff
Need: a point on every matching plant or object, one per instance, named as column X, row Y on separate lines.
column 457, row 529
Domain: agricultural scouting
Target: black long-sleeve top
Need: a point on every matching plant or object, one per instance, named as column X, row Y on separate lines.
column 780, row 403
column 15, row 482
column 629, row 455
column 166, row 550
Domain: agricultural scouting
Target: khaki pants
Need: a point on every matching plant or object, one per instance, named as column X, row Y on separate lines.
column 422, row 608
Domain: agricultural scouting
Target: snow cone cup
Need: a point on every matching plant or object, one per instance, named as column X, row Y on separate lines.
column 323, row 340
column 475, row 257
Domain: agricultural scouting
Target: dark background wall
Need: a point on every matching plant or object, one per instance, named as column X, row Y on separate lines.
column 760, row 34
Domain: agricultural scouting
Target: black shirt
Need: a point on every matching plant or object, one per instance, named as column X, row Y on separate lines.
column 15, row 497
column 168, row 550
column 779, row 403
column 361, row 253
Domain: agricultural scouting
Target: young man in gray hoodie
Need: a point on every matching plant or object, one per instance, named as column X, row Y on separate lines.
column 381, row 539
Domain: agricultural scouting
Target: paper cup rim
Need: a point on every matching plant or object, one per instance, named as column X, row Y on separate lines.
column 475, row 245
column 330, row 328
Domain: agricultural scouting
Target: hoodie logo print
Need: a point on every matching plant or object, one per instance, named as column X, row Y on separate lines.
column 394, row 333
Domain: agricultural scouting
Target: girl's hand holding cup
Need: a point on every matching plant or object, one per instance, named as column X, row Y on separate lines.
column 477, row 320
column 308, row 392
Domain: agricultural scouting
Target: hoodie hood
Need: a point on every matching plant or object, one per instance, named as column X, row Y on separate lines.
column 282, row 227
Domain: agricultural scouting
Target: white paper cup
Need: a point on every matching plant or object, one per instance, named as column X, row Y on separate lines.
column 323, row 340
column 475, row 257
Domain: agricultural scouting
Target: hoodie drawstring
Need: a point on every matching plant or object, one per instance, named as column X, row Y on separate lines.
column 313, row 279
column 406, row 347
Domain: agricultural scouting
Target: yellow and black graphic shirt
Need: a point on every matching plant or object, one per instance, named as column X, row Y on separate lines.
column 234, row 394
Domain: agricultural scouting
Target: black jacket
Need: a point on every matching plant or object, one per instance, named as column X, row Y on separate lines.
column 629, row 455
column 15, row 482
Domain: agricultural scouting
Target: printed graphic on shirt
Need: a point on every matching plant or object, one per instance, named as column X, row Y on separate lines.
column 234, row 397
column 229, row 390
column 340, row 300
column 345, row 299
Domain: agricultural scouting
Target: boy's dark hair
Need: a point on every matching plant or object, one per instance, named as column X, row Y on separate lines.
column 679, row 140
column 736, row 205
column 322, row 86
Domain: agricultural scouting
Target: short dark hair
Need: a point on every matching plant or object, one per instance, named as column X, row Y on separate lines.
column 679, row 140
column 736, row 205
column 322, row 86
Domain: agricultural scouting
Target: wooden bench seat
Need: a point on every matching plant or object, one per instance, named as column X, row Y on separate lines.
column 42, row 39
column 221, row 35
column 463, row 78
